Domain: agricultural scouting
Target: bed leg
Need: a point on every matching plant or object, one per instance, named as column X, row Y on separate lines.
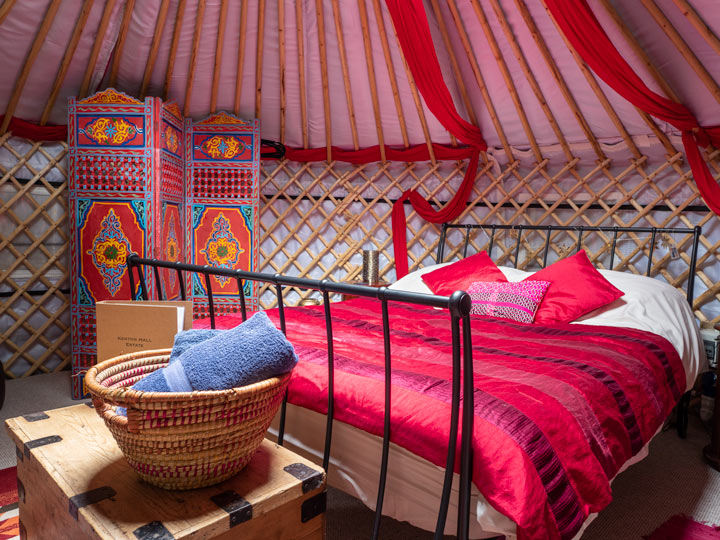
column 682, row 415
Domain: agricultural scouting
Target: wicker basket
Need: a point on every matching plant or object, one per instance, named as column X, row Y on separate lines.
column 182, row 440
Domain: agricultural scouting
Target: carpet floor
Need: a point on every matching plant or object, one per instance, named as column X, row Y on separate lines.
column 652, row 499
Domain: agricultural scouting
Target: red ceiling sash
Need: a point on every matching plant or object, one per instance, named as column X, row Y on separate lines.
column 371, row 154
column 34, row 132
column 413, row 32
column 582, row 29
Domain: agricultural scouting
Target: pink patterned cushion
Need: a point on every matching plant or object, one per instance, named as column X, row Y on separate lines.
column 515, row 300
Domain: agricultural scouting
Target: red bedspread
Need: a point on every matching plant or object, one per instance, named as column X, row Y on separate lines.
column 558, row 409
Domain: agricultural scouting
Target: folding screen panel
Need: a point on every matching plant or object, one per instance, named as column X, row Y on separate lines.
column 222, row 170
column 111, row 153
column 145, row 180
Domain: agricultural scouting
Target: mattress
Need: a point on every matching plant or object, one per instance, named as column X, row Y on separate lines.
column 414, row 483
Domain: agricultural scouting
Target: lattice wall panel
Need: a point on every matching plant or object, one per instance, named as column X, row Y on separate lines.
column 34, row 310
column 316, row 219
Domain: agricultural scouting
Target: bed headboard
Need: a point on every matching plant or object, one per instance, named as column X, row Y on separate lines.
column 537, row 255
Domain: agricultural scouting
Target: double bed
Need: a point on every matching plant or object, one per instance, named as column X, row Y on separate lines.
column 558, row 409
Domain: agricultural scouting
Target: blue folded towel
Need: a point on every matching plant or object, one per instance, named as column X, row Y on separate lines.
column 252, row 351
column 188, row 338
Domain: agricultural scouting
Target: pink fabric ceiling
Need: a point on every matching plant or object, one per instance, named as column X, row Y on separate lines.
column 21, row 25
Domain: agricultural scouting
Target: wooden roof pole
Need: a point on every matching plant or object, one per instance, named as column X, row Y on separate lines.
column 483, row 87
column 525, row 66
column 157, row 34
column 301, row 72
column 686, row 52
column 173, row 48
column 346, row 76
column 281, row 37
column 241, row 56
column 324, row 74
column 598, row 91
column 454, row 62
column 655, row 74
column 218, row 55
column 639, row 50
column 418, row 103
column 5, row 9
column 259, row 58
column 67, row 58
column 120, row 45
column 391, row 71
column 193, row 56
column 613, row 115
column 371, row 77
column 102, row 28
column 540, row 42
column 703, row 29
column 29, row 61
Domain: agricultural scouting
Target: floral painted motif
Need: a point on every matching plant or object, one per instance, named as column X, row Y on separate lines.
column 171, row 139
column 222, row 248
column 110, row 96
column 110, row 130
column 109, row 252
column 223, row 118
column 222, row 147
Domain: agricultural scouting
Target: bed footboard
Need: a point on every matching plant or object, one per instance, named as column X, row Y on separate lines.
column 458, row 305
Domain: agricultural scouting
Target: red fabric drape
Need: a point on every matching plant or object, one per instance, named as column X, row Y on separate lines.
column 413, row 31
column 420, row 152
column 582, row 29
column 34, row 132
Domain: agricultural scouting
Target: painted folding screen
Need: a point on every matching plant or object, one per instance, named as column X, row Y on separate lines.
column 144, row 180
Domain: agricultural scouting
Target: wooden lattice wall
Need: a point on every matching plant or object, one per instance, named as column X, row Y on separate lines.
column 317, row 218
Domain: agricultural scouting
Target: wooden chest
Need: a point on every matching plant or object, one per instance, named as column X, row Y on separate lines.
column 73, row 482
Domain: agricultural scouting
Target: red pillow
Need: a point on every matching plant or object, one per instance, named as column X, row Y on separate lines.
column 576, row 288
column 458, row 276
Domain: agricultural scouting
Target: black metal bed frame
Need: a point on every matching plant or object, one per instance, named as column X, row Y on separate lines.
column 458, row 305
column 580, row 230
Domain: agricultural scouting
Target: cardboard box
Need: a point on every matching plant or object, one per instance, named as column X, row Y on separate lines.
column 124, row 327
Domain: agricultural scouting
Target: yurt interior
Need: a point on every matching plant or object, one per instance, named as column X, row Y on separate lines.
column 360, row 269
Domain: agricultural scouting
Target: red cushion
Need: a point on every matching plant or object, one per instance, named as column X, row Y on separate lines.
column 458, row 276
column 576, row 288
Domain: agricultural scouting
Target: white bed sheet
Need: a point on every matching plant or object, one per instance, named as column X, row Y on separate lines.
column 414, row 484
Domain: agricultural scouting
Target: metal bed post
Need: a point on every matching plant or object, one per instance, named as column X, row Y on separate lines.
column 241, row 293
column 130, row 262
column 211, row 306
column 158, row 283
column 612, row 249
column 283, row 329
column 441, row 244
column 650, row 253
column 386, row 419
column 143, row 286
column 463, row 305
column 331, row 375
column 454, row 420
column 697, row 231
column 181, row 281
column 546, row 249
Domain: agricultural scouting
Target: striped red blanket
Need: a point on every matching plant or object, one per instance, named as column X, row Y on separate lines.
column 558, row 409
